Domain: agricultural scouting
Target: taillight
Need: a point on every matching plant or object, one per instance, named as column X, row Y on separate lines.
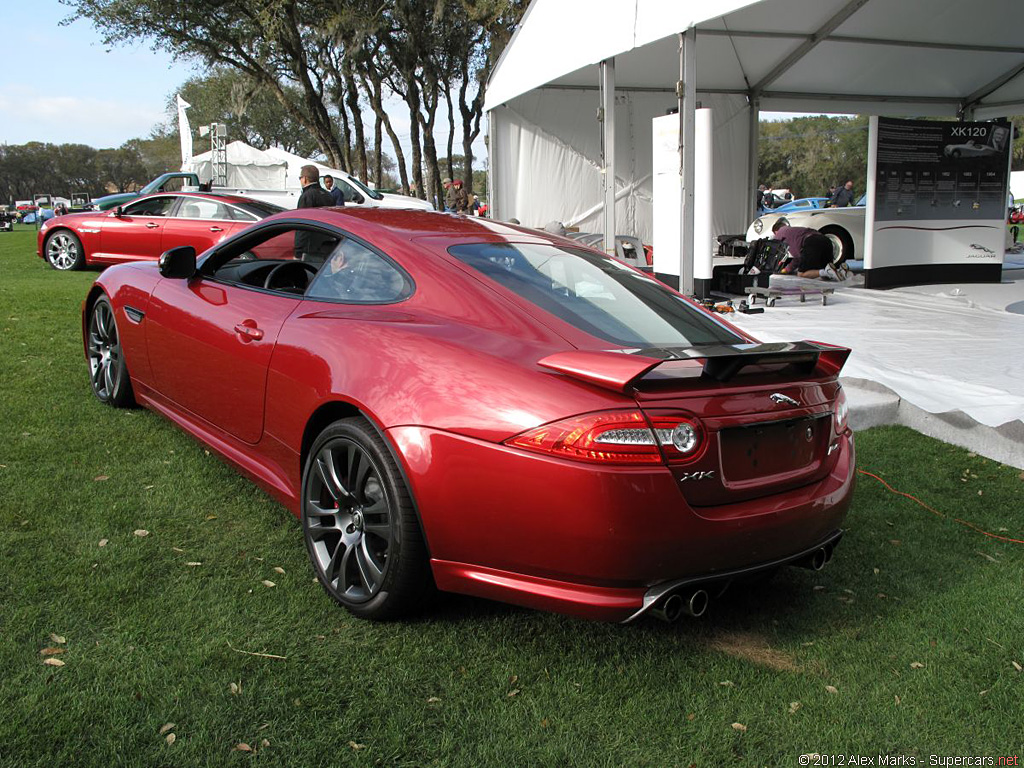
column 614, row 437
column 681, row 439
column 841, row 411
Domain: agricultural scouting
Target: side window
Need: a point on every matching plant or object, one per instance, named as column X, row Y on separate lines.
column 151, row 206
column 198, row 208
column 354, row 273
column 173, row 185
column 237, row 214
column 347, row 190
column 269, row 259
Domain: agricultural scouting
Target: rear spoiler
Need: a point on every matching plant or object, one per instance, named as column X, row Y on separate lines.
column 619, row 369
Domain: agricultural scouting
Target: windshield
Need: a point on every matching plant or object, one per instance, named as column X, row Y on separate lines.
column 596, row 294
column 371, row 192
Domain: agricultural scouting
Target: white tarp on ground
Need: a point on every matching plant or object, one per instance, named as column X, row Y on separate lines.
column 248, row 167
column 940, row 353
column 546, row 159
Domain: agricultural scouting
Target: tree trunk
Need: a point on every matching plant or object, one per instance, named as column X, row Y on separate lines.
column 412, row 99
column 352, row 99
column 373, row 85
column 451, row 131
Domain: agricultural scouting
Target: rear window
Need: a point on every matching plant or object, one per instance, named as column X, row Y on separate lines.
column 596, row 294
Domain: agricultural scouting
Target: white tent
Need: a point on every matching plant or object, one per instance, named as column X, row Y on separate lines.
column 248, row 167
column 891, row 57
column 295, row 163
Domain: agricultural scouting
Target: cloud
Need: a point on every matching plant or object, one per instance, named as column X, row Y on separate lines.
column 30, row 115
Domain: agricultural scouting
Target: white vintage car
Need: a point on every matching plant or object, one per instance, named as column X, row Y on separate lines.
column 843, row 226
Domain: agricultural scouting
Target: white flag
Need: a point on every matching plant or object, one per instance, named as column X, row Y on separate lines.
column 185, row 131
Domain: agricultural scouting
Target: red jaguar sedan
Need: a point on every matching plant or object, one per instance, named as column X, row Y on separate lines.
column 456, row 403
column 145, row 228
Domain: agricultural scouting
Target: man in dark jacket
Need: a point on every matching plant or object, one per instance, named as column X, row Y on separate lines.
column 309, row 245
column 843, row 196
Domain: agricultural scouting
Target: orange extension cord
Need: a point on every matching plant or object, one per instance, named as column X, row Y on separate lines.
column 972, row 526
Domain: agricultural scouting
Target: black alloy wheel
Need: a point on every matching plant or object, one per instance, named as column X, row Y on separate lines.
column 108, row 372
column 359, row 524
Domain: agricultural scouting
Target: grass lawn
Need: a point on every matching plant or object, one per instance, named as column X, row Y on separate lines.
column 908, row 644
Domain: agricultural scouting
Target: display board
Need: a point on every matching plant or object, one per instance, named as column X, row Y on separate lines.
column 936, row 201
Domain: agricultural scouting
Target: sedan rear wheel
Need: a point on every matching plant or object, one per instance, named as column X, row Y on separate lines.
column 64, row 250
column 108, row 372
column 359, row 523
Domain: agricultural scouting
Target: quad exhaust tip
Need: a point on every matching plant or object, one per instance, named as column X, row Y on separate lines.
column 693, row 602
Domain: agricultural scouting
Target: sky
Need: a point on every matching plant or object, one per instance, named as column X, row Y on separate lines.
column 60, row 84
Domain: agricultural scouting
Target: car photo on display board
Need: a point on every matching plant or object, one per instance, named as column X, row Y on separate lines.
column 453, row 403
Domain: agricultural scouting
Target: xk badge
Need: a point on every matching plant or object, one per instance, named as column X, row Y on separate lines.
column 709, row 475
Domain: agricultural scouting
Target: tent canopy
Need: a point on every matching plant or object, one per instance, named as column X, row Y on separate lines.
column 896, row 57
column 248, row 167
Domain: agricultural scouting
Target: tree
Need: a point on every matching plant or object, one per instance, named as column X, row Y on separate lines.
column 810, row 154
column 250, row 112
column 123, row 167
column 324, row 60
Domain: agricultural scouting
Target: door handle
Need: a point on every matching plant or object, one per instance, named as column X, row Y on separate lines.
column 216, row 229
column 151, row 225
column 247, row 331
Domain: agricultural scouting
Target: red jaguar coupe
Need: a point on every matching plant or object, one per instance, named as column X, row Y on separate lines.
column 455, row 402
column 146, row 227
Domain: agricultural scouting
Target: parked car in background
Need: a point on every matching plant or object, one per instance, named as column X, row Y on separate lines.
column 803, row 204
column 145, row 228
column 451, row 401
column 356, row 193
column 843, row 226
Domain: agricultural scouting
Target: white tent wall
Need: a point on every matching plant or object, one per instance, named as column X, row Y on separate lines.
column 554, row 172
column 248, row 167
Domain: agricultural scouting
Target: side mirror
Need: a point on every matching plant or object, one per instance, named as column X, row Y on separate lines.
column 119, row 212
column 358, row 199
column 179, row 263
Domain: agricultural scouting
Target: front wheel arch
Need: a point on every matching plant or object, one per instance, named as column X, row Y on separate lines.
column 79, row 262
column 839, row 235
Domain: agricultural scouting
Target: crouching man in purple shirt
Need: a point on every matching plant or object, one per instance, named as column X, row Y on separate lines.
column 810, row 251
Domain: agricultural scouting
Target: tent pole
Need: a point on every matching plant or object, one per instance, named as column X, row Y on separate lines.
column 753, row 154
column 608, row 164
column 686, row 92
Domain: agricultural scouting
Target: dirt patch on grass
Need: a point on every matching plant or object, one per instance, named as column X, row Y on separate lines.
column 753, row 648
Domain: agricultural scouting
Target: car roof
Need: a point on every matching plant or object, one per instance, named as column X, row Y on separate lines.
column 216, row 196
column 412, row 224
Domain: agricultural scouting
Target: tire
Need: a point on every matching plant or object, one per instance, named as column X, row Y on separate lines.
column 64, row 250
column 108, row 372
column 842, row 244
column 359, row 524
column 956, row 154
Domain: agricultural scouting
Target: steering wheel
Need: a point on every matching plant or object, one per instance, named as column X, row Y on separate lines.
column 272, row 275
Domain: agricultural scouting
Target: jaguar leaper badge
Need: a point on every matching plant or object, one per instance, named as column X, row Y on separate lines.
column 782, row 399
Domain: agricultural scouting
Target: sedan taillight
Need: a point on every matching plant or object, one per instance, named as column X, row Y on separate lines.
column 615, row 437
column 841, row 411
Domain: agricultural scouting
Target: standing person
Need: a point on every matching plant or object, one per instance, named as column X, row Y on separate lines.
column 461, row 197
column 843, row 196
column 449, row 194
column 334, row 191
column 811, row 252
column 313, row 195
column 309, row 245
